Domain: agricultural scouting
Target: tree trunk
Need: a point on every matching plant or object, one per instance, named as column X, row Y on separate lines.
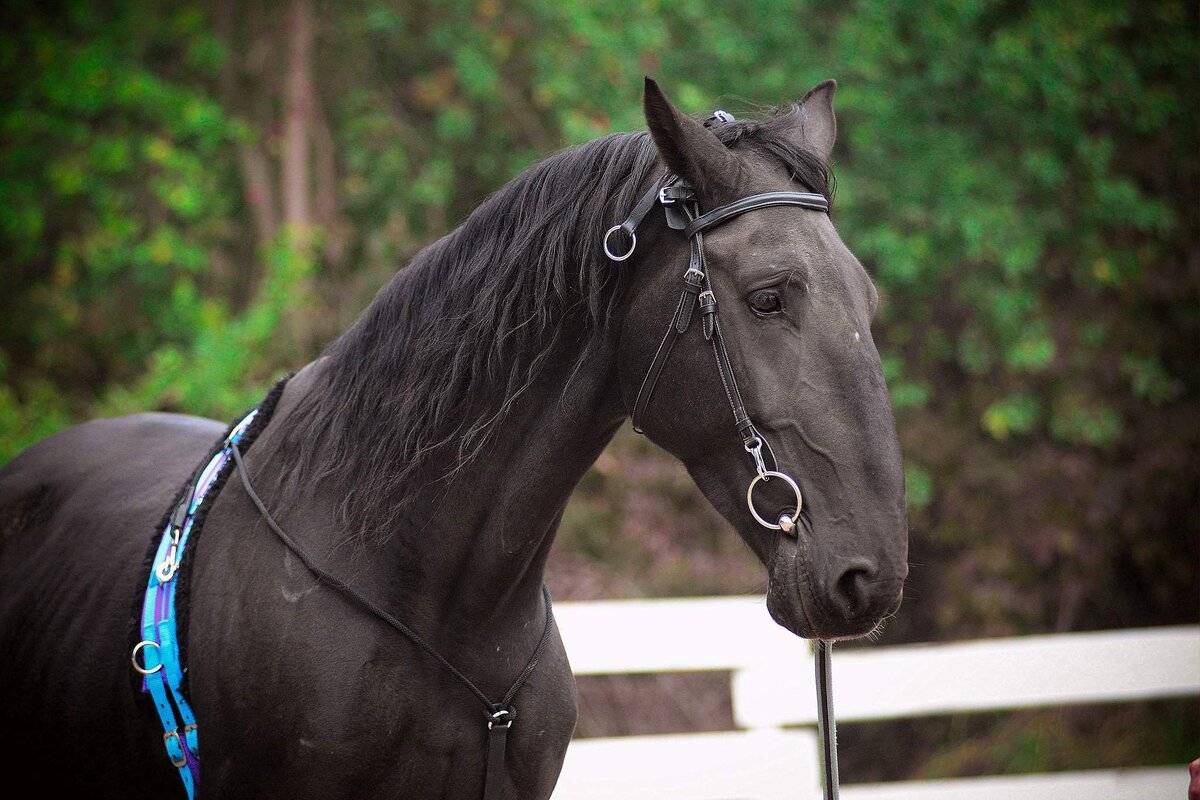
column 255, row 166
column 298, row 104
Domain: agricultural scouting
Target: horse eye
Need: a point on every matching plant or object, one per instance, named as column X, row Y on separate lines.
column 766, row 301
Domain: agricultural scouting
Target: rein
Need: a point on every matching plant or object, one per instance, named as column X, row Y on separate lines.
column 682, row 211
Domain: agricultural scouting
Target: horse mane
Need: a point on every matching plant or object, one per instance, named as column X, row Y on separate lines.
column 439, row 357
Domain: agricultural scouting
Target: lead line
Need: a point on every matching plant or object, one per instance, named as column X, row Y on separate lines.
column 826, row 724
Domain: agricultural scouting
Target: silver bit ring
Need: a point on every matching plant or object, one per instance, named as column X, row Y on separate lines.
column 754, row 512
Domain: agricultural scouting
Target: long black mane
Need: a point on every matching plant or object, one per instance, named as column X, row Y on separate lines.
column 447, row 347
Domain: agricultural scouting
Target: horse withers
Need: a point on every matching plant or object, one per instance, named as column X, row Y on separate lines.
column 426, row 458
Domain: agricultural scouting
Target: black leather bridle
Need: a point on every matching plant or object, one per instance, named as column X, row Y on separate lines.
column 682, row 211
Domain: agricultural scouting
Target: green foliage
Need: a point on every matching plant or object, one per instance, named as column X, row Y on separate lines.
column 223, row 368
column 1015, row 414
column 1019, row 179
column 23, row 422
column 111, row 203
column 918, row 484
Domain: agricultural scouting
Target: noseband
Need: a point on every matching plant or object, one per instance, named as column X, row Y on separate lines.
column 683, row 214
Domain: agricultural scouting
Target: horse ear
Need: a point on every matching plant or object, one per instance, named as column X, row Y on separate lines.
column 817, row 125
column 689, row 149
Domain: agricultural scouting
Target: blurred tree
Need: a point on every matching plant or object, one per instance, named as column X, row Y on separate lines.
column 111, row 202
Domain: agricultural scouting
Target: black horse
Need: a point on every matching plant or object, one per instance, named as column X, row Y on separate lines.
column 426, row 459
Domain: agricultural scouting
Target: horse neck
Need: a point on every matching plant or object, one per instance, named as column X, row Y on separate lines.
column 486, row 541
column 473, row 547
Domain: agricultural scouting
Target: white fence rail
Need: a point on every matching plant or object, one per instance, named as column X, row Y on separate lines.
column 772, row 687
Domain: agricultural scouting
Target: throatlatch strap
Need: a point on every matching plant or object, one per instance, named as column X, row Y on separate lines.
column 661, row 356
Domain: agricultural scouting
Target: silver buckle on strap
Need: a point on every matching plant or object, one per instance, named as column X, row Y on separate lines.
column 181, row 761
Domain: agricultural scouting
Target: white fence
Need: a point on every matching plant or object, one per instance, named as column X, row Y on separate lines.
column 773, row 687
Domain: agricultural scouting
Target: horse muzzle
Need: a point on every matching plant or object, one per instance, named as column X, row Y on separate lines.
column 832, row 597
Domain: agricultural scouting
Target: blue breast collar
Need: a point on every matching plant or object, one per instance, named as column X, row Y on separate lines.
column 157, row 656
column 162, row 622
column 161, row 667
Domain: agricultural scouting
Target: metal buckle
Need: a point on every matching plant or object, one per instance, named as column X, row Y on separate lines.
column 134, row 657
column 167, row 569
column 755, row 450
column 669, row 195
column 180, row 762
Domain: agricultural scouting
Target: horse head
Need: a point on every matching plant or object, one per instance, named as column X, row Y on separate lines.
column 795, row 309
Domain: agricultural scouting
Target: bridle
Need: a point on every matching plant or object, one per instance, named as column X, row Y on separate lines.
column 682, row 211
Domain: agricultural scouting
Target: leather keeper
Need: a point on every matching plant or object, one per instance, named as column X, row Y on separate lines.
column 708, row 311
column 693, row 279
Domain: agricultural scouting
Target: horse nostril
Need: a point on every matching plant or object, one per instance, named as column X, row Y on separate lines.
column 853, row 589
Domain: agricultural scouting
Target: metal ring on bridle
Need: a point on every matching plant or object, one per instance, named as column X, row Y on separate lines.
column 134, row 657
column 750, row 497
column 632, row 244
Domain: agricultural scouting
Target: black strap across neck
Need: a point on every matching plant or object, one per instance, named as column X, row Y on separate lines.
column 499, row 716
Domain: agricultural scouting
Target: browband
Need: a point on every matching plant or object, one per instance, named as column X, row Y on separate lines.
column 671, row 192
column 816, row 202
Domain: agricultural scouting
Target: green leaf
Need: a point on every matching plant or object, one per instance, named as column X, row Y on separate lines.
column 1014, row 415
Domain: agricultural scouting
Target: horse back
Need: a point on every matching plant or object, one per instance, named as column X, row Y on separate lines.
column 77, row 515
